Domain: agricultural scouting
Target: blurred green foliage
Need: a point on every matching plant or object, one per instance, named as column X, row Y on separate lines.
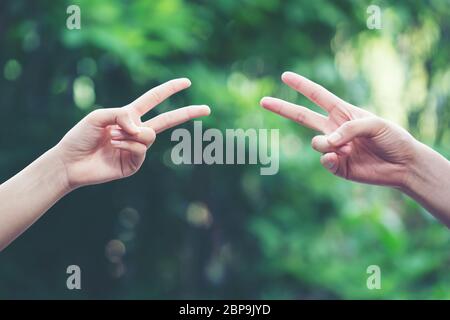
column 224, row 231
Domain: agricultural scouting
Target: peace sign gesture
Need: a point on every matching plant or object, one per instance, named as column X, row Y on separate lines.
column 109, row 144
column 355, row 144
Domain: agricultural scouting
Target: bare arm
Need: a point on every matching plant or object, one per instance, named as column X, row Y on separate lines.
column 429, row 182
column 107, row 144
column 29, row 194
column 359, row 146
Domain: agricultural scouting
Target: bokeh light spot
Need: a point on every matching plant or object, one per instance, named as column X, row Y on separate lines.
column 83, row 92
column 129, row 217
column 12, row 70
column 198, row 215
column 115, row 250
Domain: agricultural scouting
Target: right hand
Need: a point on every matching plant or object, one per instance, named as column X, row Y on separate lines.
column 356, row 144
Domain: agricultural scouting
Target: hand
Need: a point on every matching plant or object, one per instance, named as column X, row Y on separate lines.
column 355, row 144
column 110, row 144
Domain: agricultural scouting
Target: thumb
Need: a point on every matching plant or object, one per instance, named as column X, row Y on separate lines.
column 366, row 127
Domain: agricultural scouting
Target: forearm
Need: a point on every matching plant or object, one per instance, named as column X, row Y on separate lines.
column 429, row 182
column 29, row 194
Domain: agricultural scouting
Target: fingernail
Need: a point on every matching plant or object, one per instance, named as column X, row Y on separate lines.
column 334, row 137
column 188, row 81
column 284, row 74
column 329, row 164
column 263, row 101
column 116, row 133
column 207, row 107
column 116, row 142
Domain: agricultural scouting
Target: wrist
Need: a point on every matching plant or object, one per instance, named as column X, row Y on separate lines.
column 413, row 176
column 428, row 182
column 60, row 176
column 422, row 170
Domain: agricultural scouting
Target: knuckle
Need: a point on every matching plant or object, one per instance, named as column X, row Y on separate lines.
column 152, row 134
column 156, row 96
column 379, row 122
column 148, row 136
column 314, row 143
column 167, row 119
column 300, row 118
column 279, row 107
column 142, row 149
column 349, row 127
column 188, row 114
column 96, row 113
column 336, row 106
column 173, row 88
column 298, row 84
column 121, row 115
column 123, row 112
column 315, row 95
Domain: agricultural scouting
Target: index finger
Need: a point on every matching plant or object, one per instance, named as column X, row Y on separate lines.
column 158, row 94
column 299, row 114
column 313, row 91
column 173, row 118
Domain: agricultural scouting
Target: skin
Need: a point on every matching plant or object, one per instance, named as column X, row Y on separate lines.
column 108, row 144
column 111, row 144
column 359, row 146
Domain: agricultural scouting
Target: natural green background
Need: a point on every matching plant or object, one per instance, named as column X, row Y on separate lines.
column 224, row 231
